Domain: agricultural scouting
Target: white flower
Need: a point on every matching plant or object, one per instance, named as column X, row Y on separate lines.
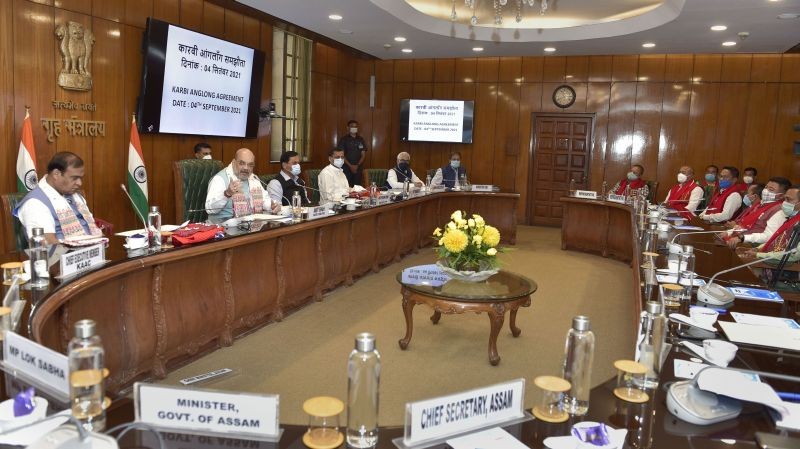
column 451, row 225
column 491, row 251
column 471, row 223
column 456, row 215
column 477, row 239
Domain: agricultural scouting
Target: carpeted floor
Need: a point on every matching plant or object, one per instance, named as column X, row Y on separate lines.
column 306, row 354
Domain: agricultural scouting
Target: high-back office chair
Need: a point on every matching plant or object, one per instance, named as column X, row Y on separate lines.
column 376, row 175
column 312, row 180
column 432, row 172
column 20, row 239
column 265, row 179
column 652, row 187
column 191, row 185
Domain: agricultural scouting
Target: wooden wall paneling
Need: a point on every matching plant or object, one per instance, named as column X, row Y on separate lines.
column 790, row 68
column 600, row 68
column 167, row 10
column 707, row 68
column 363, row 114
column 421, row 151
column 759, row 126
column 192, row 14
column 555, row 68
column 529, row 101
column 733, row 101
column 131, row 80
column 547, row 98
column 487, row 70
column 137, row 12
column 651, row 68
column 113, row 10
column 622, row 107
column 423, row 70
column 319, row 58
column 319, row 139
column 624, row 67
column 400, row 91
column 506, row 135
column 234, row 26
column 703, row 125
column 510, row 69
column 384, row 71
column 251, row 35
column 333, row 61
column 484, row 133
column 597, row 102
column 532, row 69
column 213, row 20
column 8, row 159
column 441, row 154
column 647, row 127
column 383, row 129
column 403, row 70
column 265, row 137
column 80, row 6
column 444, row 70
column 765, row 68
column 467, row 91
column 673, row 148
column 736, row 68
column 466, row 70
column 577, row 69
column 364, row 69
column 784, row 161
column 678, row 68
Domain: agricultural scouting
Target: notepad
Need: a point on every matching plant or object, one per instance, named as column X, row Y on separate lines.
column 756, row 294
column 495, row 438
column 761, row 320
column 773, row 337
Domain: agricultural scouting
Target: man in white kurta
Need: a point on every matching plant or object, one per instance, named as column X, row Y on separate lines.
column 235, row 191
column 333, row 185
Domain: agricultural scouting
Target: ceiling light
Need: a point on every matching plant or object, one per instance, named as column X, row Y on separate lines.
column 719, row 28
column 335, row 17
column 477, row 48
column 406, row 50
column 399, row 39
column 648, row 45
column 788, row 15
column 344, row 31
column 728, row 44
column 549, row 49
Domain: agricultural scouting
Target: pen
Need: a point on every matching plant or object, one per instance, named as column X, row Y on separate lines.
column 787, row 396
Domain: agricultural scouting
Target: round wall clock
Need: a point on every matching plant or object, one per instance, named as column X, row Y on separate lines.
column 564, row 96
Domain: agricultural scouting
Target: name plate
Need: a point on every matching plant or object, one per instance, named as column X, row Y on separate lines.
column 445, row 416
column 316, row 212
column 44, row 365
column 590, row 194
column 253, row 416
column 83, row 259
column 425, row 275
column 481, row 187
column 383, row 199
column 616, row 198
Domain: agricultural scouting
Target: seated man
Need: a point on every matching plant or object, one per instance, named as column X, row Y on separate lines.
column 727, row 200
column 282, row 188
column 709, row 185
column 763, row 218
column 751, row 198
column 333, row 185
column 781, row 238
column 450, row 173
column 633, row 182
column 235, row 191
column 686, row 194
column 401, row 172
column 202, row 151
column 749, row 175
column 57, row 206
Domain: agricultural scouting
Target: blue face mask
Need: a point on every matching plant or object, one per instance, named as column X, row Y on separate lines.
column 455, row 164
column 632, row 176
column 788, row 209
column 725, row 183
column 296, row 169
column 710, row 177
column 746, row 201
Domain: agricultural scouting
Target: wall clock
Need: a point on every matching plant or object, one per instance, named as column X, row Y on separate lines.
column 564, row 96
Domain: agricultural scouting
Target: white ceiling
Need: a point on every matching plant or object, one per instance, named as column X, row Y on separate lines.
column 373, row 26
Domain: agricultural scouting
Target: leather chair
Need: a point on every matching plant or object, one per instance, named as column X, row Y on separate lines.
column 652, row 195
column 432, row 172
column 312, row 180
column 12, row 223
column 376, row 175
column 191, row 185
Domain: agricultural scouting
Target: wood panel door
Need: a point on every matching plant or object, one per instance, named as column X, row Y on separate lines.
column 561, row 146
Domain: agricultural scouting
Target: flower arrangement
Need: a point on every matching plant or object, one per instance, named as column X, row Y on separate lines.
column 467, row 244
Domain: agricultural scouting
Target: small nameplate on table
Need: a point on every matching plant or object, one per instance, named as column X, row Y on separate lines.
column 252, row 416
column 425, row 275
column 481, row 187
column 445, row 416
column 316, row 212
column 589, row 194
column 83, row 259
column 614, row 198
column 44, row 365
column 383, row 199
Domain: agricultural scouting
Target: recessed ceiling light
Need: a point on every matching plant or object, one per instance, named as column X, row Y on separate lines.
column 344, row 31
column 648, row 45
column 399, row 39
column 719, row 28
column 335, row 17
column 406, row 50
column 477, row 48
column 550, row 49
column 788, row 15
column 728, row 44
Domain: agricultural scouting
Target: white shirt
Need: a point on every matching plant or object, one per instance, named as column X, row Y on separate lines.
column 437, row 178
column 775, row 221
column 216, row 199
column 391, row 178
column 275, row 189
column 732, row 204
column 333, row 184
column 694, row 198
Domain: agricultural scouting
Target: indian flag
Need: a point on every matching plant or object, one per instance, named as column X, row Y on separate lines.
column 137, row 175
column 26, row 158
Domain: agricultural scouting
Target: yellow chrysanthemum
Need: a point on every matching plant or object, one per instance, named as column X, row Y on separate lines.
column 491, row 236
column 437, row 232
column 455, row 241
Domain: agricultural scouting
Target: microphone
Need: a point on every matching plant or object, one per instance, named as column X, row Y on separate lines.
column 672, row 242
column 135, row 210
column 715, row 294
column 284, row 196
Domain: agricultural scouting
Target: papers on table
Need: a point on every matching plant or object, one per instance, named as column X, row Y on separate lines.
column 164, row 228
column 756, row 294
column 495, row 438
column 28, row 435
column 691, row 322
column 761, row 320
column 773, row 337
column 790, row 420
column 268, row 217
column 740, row 386
column 688, row 228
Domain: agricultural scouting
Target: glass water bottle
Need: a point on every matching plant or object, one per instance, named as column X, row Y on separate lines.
column 373, row 194
column 297, row 206
column 406, row 186
column 86, row 384
column 686, row 273
column 650, row 342
column 37, row 247
column 577, row 370
column 363, row 372
column 154, row 228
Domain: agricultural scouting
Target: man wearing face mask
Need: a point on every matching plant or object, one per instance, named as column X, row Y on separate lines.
column 762, row 219
column 333, row 184
column 202, row 151
column 235, row 191
column 282, row 188
column 780, row 239
column 749, row 175
column 727, row 200
column 355, row 151
column 686, row 194
column 451, row 172
column 401, row 172
column 633, row 181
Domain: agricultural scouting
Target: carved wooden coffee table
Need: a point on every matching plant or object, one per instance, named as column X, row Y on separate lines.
column 501, row 292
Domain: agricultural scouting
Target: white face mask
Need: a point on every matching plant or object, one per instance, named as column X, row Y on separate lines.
column 682, row 178
column 747, row 179
column 207, row 156
column 338, row 162
column 353, row 130
column 767, row 196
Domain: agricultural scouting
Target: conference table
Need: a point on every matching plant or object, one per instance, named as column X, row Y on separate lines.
column 649, row 425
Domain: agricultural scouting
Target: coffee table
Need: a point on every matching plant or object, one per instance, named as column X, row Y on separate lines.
column 425, row 284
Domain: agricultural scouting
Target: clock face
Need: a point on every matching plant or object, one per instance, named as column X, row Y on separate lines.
column 564, row 96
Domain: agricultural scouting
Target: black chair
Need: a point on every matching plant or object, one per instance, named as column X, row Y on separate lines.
column 10, row 201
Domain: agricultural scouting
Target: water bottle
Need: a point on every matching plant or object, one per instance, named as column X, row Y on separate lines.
column 363, row 373
column 456, row 184
column 86, row 384
column 428, row 184
column 405, row 188
column 373, row 194
column 650, row 342
column 578, row 355
column 154, row 228
column 463, row 181
column 37, row 246
column 686, row 273
column 297, row 206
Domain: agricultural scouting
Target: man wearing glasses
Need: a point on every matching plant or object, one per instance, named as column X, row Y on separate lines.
column 236, row 191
